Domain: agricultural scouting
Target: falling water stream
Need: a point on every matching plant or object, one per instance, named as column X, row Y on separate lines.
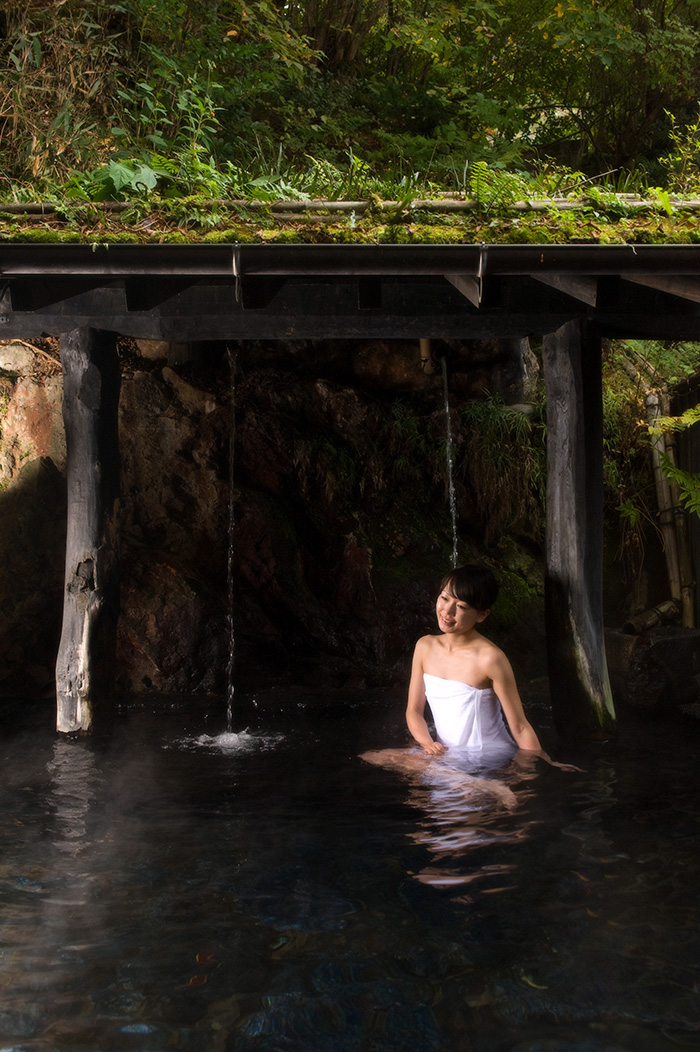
column 230, row 568
column 449, row 460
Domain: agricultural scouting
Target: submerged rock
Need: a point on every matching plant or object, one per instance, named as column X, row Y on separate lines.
column 660, row 668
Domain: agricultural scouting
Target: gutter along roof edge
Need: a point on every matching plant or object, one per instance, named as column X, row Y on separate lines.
column 113, row 261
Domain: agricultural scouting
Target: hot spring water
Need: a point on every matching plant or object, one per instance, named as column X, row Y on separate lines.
column 180, row 886
column 183, row 885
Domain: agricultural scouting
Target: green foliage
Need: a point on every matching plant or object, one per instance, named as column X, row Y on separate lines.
column 505, row 463
column 339, row 99
column 664, row 363
column 663, row 424
column 615, row 68
column 172, row 108
column 627, row 474
column 662, row 198
column 330, row 465
column 138, row 76
column 687, row 482
column 413, row 448
column 520, row 587
column 683, row 162
column 115, row 181
column 492, row 187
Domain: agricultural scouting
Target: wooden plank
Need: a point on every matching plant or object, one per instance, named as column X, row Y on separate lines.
column 581, row 698
column 384, row 324
column 85, row 663
column 375, row 325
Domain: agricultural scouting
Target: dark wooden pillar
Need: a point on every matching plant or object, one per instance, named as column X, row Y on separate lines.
column 85, row 664
column 581, row 697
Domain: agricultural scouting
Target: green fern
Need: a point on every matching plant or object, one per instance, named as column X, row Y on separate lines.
column 688, row 484
column 492, row 187
column 675, row 423
column 479, row 182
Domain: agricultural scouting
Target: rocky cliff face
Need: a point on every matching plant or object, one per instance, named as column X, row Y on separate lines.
column 336, row 536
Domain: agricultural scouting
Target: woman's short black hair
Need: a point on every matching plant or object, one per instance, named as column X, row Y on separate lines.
column 472, row 584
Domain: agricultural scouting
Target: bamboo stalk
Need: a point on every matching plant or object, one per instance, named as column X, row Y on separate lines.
column 440, row 205
column 667, row 520
column 685, row 559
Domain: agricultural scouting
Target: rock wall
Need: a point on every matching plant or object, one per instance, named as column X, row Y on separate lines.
column 341, row 523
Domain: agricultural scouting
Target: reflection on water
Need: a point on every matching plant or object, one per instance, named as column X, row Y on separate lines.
column 467, row 799
column 267, row 890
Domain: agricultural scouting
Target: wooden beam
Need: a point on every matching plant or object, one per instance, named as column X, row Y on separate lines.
column 469, row 285
column 85, row 663
column 581, row 698
column 685, row 287
column 349, row 308
column 37, row 292
column 579, row 286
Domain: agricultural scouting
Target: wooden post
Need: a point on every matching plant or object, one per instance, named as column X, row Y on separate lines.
column 85, row 664
column 581, row 697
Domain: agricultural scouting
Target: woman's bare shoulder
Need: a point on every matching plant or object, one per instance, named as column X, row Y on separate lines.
column 427, row 643
column 491, row 656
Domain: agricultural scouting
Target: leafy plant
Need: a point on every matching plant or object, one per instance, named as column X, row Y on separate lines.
column 687, row 419
column 394, row 99
column 493, row 187
column 688, row 484
column 668, row 362
column 662, row 198
column 683, row 162
column 505, row 453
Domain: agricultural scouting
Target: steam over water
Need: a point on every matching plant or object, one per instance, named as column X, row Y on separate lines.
column 185, row 886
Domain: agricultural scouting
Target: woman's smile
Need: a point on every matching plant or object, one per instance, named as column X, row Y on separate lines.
column 454, row 615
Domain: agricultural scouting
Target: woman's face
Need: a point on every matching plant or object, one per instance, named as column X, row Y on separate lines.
column 455, row 616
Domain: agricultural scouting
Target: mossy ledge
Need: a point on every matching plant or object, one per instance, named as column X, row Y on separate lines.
column 188, row 221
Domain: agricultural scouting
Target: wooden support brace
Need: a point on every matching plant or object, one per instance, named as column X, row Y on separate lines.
column 684, row 286
column 578, row 286
column 470, row 285
column 85, row 663
column 581, row 697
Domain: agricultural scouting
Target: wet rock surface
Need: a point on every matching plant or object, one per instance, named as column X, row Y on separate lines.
column 341, row 525
column 659, row 669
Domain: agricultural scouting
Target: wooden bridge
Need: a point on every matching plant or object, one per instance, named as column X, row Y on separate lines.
column 570, row 295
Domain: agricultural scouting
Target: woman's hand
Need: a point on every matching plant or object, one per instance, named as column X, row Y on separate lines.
column 563, row 766
column 434, row 748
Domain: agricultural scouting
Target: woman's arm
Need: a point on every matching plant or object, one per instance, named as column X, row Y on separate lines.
column 520, row 728
column 415, row 707
column 501, row 674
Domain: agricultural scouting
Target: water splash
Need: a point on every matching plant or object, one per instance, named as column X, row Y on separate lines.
column 233, row 742
column 232, row 361
column 450, row 464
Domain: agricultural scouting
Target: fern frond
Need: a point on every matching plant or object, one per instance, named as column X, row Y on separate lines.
column 688, row 484
column 675, row 423
column 479, row 182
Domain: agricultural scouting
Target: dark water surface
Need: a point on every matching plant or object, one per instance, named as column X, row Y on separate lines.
column 174, row 888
